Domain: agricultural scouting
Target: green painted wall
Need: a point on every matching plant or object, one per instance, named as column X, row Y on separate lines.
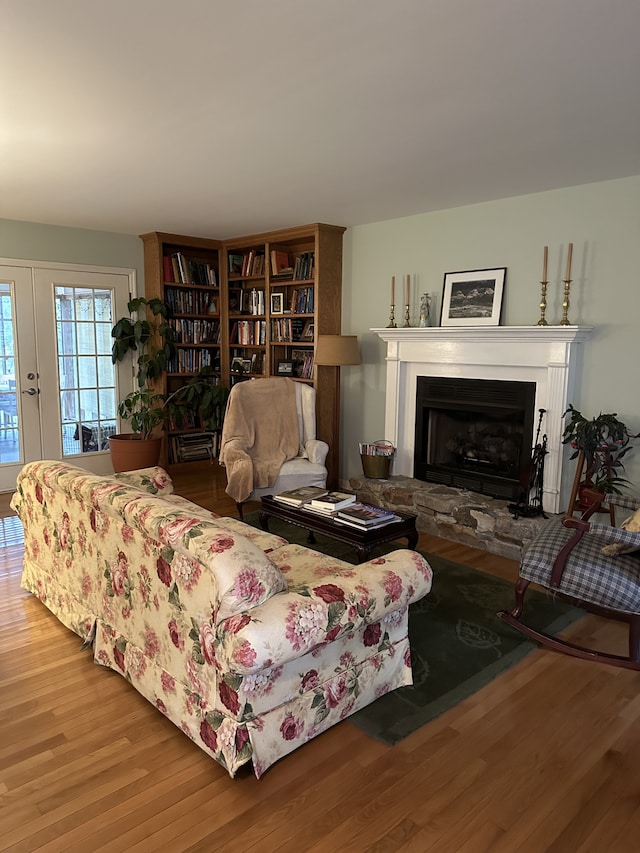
column 36, row 242
column 602, row 220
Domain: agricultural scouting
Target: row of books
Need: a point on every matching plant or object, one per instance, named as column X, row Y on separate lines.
column 246, row 263
column 302, row 364
column 191, row 301
column 342, row 507
column 179, row 269
column 196, row 331
column 246, row 301
column 189, row 420
column 304, row 266
column 192, row 360
column 283, row 270
column 301, row 300
column 290, row 329
column 248, row 332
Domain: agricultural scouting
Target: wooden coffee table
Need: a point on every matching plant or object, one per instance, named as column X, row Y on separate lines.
column 362, row 541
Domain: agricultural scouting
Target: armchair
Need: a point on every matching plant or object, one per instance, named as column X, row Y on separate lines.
column 268, row 442
column 594, row 566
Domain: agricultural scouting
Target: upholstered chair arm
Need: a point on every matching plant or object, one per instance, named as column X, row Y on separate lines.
column 616, row 535
column 631, row 502
column 617, row 541
column 316, row 450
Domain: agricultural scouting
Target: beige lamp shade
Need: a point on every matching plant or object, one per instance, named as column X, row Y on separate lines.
column 337, row 350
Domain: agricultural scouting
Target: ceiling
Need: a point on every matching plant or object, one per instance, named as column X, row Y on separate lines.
column 229, row 117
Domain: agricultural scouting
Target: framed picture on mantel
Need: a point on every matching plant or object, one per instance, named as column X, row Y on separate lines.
column 473, row 297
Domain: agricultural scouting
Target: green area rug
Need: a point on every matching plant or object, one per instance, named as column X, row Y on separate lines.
column 458, row 644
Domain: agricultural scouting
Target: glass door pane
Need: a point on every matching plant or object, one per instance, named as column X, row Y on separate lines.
column 10, row 445
column 86, row 376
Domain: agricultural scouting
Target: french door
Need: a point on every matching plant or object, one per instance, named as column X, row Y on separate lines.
column 58, row 388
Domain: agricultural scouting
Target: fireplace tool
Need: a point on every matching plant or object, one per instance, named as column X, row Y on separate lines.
column 530, row 502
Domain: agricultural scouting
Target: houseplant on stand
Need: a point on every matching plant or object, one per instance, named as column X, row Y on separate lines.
column 600, row 443
column 146, row 409
column 152, row 338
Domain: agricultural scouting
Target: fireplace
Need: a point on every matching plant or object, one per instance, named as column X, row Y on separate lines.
column 548, row 357
column 474, row 434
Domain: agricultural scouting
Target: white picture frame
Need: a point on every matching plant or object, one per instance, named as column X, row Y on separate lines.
column 473, row 297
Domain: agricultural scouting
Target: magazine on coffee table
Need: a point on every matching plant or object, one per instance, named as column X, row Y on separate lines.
column 355, row 526
column 300, row 496
column 365, row 515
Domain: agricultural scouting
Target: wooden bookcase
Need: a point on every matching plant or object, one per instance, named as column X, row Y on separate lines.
column 275, row 293
column 185, row 273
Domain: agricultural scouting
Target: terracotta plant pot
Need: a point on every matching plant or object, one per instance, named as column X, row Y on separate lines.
column 129, row 452
column 588, row 495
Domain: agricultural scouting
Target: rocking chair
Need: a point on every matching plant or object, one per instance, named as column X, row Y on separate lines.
column 567, row 557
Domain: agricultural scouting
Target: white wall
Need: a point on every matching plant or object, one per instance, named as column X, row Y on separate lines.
column 602, row 221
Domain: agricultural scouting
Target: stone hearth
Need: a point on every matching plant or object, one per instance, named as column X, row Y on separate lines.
column 455, row 514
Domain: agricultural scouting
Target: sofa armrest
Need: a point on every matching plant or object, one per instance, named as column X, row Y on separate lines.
column 154, row 480
column 326, row 607
column 316, row 450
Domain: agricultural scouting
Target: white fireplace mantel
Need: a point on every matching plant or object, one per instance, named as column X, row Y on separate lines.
column 546, row 355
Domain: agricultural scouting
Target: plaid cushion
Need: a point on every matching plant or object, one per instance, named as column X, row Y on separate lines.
column 589, row 575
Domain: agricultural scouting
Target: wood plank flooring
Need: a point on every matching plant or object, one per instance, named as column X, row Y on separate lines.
column 545, row 758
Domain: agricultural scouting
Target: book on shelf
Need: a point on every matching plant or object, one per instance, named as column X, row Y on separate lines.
column 365, row 515
column 280, row 262
column 302, row 363
column 297, row 497
column 304, row 266
column 177, row 268
column 333, row 501
column 236, row 262
column 301, row 300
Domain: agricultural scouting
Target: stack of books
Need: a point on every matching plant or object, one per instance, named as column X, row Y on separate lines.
column 195, row 445
column 298, row 497
column 365, row 516
column 330, row 503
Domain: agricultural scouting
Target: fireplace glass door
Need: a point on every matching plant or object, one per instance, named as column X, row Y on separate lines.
column 474, row 434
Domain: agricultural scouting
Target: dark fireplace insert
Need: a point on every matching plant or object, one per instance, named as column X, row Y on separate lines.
column 475, row 434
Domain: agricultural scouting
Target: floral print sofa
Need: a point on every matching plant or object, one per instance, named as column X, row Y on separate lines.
column 250, row 645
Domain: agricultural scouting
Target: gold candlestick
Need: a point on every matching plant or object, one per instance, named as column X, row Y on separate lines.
column 392, row 318
column 543, row 304
column 407, row 324
column 565, row 302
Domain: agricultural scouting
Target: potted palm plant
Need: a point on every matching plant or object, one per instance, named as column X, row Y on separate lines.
column 150, row 337
column 603, row 441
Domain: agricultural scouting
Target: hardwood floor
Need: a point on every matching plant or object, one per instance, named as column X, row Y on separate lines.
column 544, row 758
